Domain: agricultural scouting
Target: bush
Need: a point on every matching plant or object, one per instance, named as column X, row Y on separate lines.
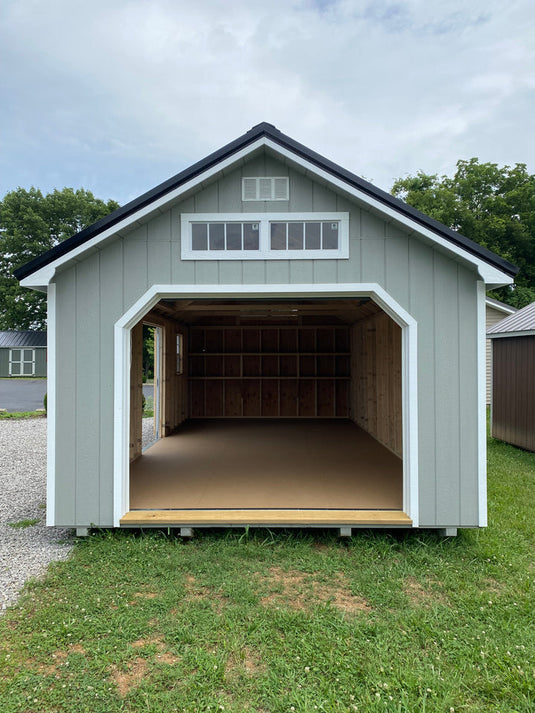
column 44, row 402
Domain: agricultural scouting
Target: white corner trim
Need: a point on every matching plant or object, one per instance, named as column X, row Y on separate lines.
column 51, row 407
column 121, row 467
column 481, row 405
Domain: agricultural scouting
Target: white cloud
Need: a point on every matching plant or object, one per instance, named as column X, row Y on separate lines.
column 121, row 95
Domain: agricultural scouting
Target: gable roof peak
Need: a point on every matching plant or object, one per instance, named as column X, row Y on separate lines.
column 266, row 132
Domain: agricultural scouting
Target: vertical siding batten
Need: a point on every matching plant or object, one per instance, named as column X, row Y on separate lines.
column 66, row 401
column 111, row 308
column 88, row 408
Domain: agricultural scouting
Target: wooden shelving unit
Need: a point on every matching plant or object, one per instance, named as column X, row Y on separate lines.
column 269, row 372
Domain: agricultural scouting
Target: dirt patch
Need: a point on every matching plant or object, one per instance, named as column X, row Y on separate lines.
column 301, row 591
column 419, row 596
column 58, row 659
column 163, row 655
column 198, row 592
column 142, row 595
column 246, row 661
column 132, row 677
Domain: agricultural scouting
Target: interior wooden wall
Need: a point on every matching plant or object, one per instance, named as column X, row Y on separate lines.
column 269, row 372
column 376, row 402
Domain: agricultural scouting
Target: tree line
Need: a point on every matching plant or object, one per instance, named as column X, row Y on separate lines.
column 492, row 205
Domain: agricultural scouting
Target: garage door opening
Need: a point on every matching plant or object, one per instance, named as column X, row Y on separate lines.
column 274, row 405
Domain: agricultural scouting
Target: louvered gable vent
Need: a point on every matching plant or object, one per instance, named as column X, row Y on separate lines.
column 260, row 188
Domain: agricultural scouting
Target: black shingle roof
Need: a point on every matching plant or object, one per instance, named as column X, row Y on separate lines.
column 271, row 132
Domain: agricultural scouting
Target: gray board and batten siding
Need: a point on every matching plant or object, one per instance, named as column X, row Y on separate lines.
column 430, row 272
column 93, row 294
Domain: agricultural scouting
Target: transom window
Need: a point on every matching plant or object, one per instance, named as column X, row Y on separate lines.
column 22, row 362
column 267, row 236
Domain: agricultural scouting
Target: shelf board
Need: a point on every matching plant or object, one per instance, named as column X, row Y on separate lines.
column 296, row 354
column 263, row 378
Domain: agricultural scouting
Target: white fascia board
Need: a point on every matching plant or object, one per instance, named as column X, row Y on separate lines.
column 491, row 275
column 41, row 276
column 502, row 335
column 39, row 280
column 499, row 306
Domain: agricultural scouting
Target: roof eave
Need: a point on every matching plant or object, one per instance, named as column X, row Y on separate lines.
column 277, row 137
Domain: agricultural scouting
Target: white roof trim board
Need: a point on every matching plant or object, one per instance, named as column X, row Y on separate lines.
column 39, row 273
column 519, row 324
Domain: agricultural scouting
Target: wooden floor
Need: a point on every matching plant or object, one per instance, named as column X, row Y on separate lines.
column 266, row 465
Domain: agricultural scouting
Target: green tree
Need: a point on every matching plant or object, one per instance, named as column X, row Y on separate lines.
column 30, row 224
column 493, row 206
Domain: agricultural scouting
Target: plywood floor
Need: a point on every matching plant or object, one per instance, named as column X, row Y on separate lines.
column 267, row 464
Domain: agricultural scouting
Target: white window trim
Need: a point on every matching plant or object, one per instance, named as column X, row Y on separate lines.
column 265, row 252
column 21, row 361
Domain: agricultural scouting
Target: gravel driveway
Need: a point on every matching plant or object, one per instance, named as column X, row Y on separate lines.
column 25, row 552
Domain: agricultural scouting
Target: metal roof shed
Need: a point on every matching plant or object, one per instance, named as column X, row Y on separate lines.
column 320, row 353
column 513, row 378
column 22, row 353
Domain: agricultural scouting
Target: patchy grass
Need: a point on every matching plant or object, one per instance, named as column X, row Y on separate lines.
column 288, row 621
column 24, row 523
column 22, row 414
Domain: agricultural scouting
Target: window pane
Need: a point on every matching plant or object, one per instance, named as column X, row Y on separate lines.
column 233, row 236
column 199, row 236
column 217, row 236
column 295, row 236
column 27, row 369
column 15, row 369
column 330, row 236
column 312, row 236
column 28, row 355
column 251, row 236
column 278, row 236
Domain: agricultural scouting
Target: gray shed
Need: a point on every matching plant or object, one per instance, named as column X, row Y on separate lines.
column 22, row 354
column 513, row 378
column 319, row 353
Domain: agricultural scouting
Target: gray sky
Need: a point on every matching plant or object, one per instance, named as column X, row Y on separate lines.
column 118, row 95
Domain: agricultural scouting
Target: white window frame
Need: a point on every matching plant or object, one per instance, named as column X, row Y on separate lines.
column 22, row 361
column 258, row 179
column 265, row 252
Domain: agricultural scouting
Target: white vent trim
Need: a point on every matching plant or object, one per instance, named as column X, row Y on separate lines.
column 265, row 188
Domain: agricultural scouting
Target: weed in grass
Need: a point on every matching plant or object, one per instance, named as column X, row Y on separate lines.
column 24, row 523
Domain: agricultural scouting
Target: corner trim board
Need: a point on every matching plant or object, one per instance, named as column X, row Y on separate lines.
column 482, row 405
column 51, row 408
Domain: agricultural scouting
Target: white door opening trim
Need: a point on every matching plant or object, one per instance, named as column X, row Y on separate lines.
column 409, row 346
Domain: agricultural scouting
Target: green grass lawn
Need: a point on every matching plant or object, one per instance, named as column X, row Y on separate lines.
column 286, row 621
